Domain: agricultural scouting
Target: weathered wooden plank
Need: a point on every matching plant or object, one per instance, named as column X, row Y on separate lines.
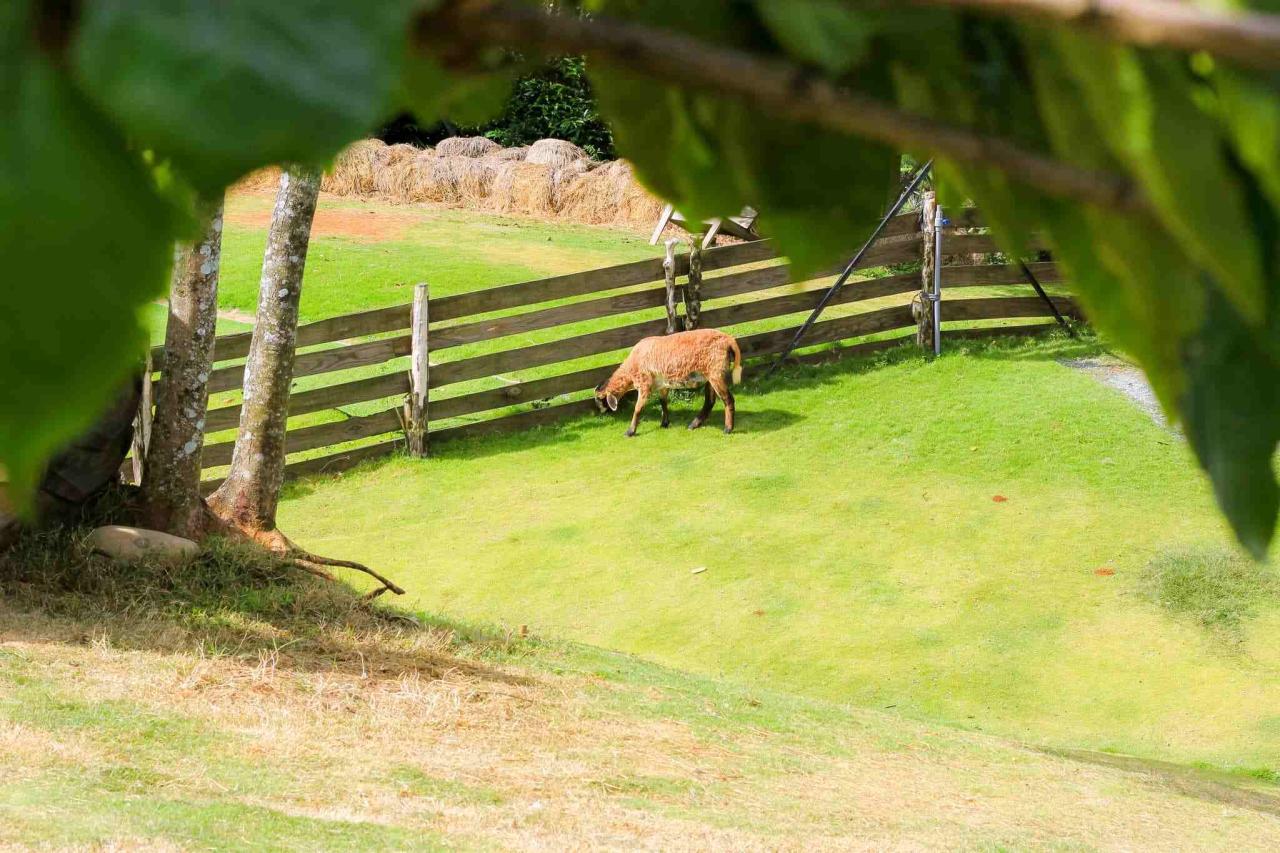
column 323, row 361
column 963, row 217
column 976, row 276
column 546, row 318
column 309, row 438
column 319, row 399
column 753, row 345
column 1005, row 307
column 522, row 392
column 828, row 331
column 795, row 302
column 828, row 355
column 373, row 322
column 537, row 355
column 336, row 462
column 591, row 281
column 902, row 225
column 1002, row 331
column 516, row 422
column 980, row 244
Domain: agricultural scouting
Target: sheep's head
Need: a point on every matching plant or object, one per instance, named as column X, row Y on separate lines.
column 608, row 392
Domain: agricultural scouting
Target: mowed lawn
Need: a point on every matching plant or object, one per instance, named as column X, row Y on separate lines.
column 367, row 255
column 966, row 540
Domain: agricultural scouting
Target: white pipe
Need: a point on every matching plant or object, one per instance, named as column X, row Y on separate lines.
column 938, row 221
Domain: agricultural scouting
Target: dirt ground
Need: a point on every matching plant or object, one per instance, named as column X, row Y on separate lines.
column 369, row 225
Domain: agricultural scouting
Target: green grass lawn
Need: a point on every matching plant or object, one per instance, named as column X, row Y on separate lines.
column 368, row 255
column 966, row 541
column 237, row 705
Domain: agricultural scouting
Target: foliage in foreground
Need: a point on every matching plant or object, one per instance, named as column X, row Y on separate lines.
column 138, row 105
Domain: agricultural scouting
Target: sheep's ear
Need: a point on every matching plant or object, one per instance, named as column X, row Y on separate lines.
column 612, row 401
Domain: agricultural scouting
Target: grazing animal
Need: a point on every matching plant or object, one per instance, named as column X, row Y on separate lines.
column 682, row 360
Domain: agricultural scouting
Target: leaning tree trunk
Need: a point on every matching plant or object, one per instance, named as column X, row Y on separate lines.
column 171, row 472
column 251, row 492
column 247, row 500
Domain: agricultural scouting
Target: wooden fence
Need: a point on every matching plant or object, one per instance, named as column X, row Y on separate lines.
column 363, row 359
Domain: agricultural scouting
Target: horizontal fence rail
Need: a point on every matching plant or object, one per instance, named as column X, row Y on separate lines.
column 746, row 283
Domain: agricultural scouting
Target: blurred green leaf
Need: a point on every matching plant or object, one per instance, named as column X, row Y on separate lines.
column 222, row 87
column 84, row 240
column 828, row 33
column 1232, row 417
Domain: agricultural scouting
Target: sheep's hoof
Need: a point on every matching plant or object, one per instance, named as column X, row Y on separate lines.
column 695, row 424
column 728, row 430
column 630, row 433
column 666, row 424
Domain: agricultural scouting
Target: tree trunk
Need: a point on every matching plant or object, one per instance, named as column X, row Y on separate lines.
column 171, row 474
column 922, row 304
column 251, row 492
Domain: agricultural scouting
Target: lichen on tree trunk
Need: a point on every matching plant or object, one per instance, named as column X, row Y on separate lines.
column 171, row 473
column 249, row 496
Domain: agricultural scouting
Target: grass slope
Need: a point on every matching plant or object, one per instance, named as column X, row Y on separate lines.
column 230, row 705
column 366, row 255
column 963, row 541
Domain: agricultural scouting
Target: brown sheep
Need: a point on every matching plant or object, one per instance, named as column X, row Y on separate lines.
column 681, row 360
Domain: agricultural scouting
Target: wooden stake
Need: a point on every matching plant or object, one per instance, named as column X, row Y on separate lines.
column 669, row 274
column 142, row 424
column 415, row 409
column 693, row 287
column 922, row 304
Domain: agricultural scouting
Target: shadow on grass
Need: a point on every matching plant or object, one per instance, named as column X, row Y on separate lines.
column 233, row 600
column 833, row 368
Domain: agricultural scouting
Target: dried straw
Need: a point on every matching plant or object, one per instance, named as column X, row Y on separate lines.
column 353, row 171
column 522, row 187
column 466, row 146
column 551, row 178
column 555, row 153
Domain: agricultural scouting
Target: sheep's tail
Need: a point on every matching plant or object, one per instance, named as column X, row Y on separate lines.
column 737, row 359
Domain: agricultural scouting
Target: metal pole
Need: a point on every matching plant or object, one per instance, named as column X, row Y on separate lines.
column 1035, row 282
column 848, row 270
column 938, row 221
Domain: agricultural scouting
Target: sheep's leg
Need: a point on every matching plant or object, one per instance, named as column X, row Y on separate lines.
column 708, row 402
column 642, row 397
column 666, row 413
column 722, row 391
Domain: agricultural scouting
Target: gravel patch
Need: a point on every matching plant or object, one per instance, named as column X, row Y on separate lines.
column 1126, row 379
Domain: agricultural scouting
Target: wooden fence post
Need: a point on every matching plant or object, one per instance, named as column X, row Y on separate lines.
column 669, row 274
column 693, row 287
column 142, row 424
column 415, row 409
column 922, row 304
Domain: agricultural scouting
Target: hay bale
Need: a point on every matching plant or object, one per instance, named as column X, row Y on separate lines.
column 503, row 154
column 354, row 169
column 555, row 153
column 564, row 176
column 398, row 153
column 466, row 146
column 593, row 197
column 636, row 205
column 395, row 182
column 521, row 187
column 266, row 178
column 475, row 181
